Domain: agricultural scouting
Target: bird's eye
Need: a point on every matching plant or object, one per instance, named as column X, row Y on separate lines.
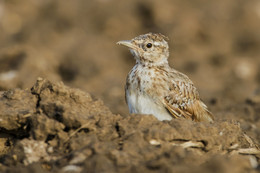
column 149, row 45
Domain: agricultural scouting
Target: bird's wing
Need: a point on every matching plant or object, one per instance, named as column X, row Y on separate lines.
column 183, row 101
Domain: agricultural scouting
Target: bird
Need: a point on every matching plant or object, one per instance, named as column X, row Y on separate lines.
column 153, row 87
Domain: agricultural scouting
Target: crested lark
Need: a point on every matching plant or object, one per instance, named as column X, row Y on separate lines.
column 153, row 87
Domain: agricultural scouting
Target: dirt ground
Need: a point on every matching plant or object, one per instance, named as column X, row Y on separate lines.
column 62, row 79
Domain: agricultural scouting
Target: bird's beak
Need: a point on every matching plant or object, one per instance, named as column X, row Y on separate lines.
column 128, row 43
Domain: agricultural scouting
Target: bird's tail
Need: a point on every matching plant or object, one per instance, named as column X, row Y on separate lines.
column 201, row 112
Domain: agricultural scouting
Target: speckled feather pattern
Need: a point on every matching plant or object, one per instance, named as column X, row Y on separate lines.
column 153, row 87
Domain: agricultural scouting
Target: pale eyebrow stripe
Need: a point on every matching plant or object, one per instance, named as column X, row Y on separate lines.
column 156, row 43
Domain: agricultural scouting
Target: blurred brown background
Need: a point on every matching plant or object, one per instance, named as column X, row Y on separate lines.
column 216, row 43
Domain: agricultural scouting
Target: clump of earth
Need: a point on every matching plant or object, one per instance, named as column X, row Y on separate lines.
column 52, row 127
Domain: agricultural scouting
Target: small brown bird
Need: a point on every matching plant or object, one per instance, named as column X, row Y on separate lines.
column 153, row 87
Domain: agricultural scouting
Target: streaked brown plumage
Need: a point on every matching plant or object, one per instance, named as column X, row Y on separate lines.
column 153, row 87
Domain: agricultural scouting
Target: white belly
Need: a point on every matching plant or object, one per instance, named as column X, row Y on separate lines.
column 142, row 104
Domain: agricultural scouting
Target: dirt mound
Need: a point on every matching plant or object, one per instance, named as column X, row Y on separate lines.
column 56, row 128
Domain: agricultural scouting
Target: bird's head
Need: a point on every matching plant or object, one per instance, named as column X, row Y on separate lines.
column 149, row 49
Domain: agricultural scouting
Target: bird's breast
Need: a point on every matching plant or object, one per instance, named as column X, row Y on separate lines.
column 143, row 91
column 140, row 78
